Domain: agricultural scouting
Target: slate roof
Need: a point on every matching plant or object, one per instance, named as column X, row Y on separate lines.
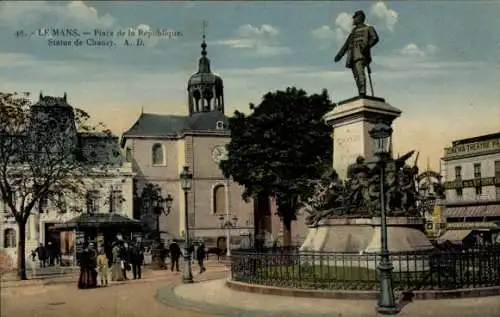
column 157, row 125
column 101, row 148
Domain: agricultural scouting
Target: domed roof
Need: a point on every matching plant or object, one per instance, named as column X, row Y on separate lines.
column 204, row 75
column 204, row 79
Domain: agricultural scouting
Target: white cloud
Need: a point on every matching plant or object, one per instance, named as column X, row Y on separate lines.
column 327, row 35
column 248, row 30
column 323, row 33
column 412, row 49
column 36, row 13
column 388, row 16
column 260, row 40
column 344, row 22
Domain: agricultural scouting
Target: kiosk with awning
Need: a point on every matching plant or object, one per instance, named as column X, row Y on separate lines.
column 100, row 228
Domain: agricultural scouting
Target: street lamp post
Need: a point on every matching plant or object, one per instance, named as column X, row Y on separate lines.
column 381, row 135
column 156, row 205
column 161, row 206
column 186, row 183
column 228, row 225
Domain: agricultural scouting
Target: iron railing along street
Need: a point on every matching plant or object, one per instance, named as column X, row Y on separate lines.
column 436, row 269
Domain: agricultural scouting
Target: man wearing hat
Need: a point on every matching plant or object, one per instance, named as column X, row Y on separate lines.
column 357, row 46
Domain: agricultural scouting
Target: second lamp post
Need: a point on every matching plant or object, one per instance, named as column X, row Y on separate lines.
column 381, row 135
column 186, row 183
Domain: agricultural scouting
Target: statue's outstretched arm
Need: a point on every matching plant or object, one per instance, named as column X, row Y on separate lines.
column 343, row 49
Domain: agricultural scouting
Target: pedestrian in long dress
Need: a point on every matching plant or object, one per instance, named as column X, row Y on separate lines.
column 102, row 263
column 87, row 269
column 116, row 270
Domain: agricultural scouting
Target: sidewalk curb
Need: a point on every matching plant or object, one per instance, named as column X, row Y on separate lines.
column 166, row 295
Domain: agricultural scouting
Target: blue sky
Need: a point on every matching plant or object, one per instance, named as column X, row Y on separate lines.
column 438, row 61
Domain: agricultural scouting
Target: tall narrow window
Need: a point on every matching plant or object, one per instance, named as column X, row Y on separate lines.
column 43, row 203
column 92, row 201
column 497, row 169
column 9, row 238
column 158, row 155
column 458, row 172
column 459, row 193
column 479, row 191
column 128, row 154
column 477, row 170
column 115, row 203
column 219, row 199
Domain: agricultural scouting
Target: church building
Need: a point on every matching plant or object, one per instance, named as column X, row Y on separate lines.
column 159, row 145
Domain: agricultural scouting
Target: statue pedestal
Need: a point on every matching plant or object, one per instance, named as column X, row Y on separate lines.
column 351, row 120
column 353, row 239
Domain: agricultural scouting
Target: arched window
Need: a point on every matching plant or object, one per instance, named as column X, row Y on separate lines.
column 158, row 155
column 9, row 238
column 219, row 199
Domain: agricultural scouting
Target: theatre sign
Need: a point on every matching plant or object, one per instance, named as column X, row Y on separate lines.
column 472, row 148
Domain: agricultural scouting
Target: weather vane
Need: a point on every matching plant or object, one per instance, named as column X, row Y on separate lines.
column 205, row 25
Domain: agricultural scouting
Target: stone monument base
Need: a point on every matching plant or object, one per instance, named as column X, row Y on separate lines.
column 354, row 239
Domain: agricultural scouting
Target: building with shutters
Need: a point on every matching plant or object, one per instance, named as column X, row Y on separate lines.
column 471, row 169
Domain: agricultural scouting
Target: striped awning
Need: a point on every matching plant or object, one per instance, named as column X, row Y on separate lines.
column 472, row 211
column 455, row 236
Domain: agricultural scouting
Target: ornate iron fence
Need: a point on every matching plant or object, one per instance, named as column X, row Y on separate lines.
column 432, row 270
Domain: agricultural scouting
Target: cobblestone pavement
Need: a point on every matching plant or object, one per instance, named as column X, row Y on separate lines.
column 60, row 297
column 226, row 302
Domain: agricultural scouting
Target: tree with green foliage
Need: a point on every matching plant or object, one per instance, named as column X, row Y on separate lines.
column 41, row 159
column 276, row 150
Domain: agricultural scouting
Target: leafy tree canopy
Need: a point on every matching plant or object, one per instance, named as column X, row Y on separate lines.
column 280, row 146
column 41, row 153
column 48, row 152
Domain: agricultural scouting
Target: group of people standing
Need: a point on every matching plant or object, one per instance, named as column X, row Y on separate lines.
column 123, row 257
column 49, row 255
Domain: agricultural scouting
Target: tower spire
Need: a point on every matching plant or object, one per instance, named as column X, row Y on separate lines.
column 203, row 43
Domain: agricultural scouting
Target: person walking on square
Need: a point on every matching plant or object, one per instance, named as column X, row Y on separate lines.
column 175, row 254
column 42, row 255
column 102, row 264
column 136, row 258
column 200, row 256
column 125, row 263
column 50, row 250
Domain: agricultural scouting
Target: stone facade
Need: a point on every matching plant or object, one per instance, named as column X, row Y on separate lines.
column 160, row 145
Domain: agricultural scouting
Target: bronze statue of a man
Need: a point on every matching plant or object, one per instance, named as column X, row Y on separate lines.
column 357, row 46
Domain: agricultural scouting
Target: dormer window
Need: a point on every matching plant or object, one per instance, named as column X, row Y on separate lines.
column 219, row 125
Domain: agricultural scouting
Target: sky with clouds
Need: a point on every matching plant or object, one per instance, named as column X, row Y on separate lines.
column 438, row 61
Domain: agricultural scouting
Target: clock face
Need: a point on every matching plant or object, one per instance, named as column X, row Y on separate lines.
column 219, row 153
